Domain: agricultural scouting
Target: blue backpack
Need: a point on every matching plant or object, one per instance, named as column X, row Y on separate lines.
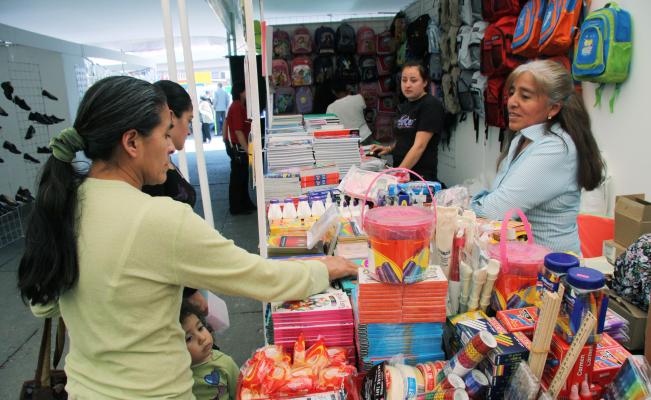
column 603, row 53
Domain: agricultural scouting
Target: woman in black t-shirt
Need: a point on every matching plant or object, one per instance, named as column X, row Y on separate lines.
column 418, row 126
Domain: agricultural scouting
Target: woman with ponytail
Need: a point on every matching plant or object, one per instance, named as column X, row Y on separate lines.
column 112, row 260
column 551, row 155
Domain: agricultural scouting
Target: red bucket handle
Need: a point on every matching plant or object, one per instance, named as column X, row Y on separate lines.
column 503, row 234
column 368, row 189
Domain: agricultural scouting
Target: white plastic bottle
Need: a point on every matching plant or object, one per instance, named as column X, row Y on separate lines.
column 303, row 211
column 275, row 213
column 289, row 211
column 318, row 209
column 328, row 201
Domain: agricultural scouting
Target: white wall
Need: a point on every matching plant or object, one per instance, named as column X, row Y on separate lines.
column 624, row 136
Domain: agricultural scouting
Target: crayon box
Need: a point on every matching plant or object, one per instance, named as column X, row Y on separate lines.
column 581, row 368
column 519, row 320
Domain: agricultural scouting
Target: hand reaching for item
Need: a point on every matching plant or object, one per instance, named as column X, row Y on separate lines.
column 199, row 301
column 380, row 150
column 339, row 267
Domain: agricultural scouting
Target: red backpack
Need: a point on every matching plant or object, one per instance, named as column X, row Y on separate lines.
column 384, row 127
column 559, row 26
column 385, row 43
column 495, row 101
column 280, row 73
column 282, row 45
column 365, row 41
column 301, row 71
column 369, row 90
column 493, row 10
column 301, row 41
column 497, row 57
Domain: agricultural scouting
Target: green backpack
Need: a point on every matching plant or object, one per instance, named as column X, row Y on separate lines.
column 603, row 53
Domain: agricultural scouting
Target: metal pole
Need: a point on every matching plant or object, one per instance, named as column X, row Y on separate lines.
column 196, row 124
column 171, row 69
column 253, row 100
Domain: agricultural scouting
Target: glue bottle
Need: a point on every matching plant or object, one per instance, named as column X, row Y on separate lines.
column 275, row 213
column 392, row 200
column 318, row 209
column 303, row 211
column 289, row 211
column 328, row 201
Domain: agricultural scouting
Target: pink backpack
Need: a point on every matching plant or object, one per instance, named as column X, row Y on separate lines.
column 302, row 41
column 369, row 91
column 280, row 73
column 366, row 41
column 282, row 45
column 301, row 71
column 385, row 44
column 385, row 64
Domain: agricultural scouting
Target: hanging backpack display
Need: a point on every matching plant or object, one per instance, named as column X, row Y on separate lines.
column 366, row 41
column 385, row 65
column 367, row 69
column 301, row 41
column 324, row 69
column 450, row 48
column 345, row 39
column 435, row 67
column 497, row 57
column 301, row 71
column 346, row 69
column 470, row 11
column 385, row 44
column 398, row 27
column 495, row 102
column 435, row 12
column 450, row 91
column 324, row 37
column 477, row 88
column 527, row 31
column 401, row 55
column 476, row 37
column 604, row 49
column 384, row 127
column 434, row 47
column 464, row 91
column 417, row 42
column 284, row 100
column 454, row 12
column 304, row 100
column 280, row 73
column 281, row 44
column 369, row 90
column 493, row 10
column 559, row 26
column 463, row 43
column 386, row 85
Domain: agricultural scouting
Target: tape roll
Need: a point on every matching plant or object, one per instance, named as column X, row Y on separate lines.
column 394, row 383
column 410, row 381
column 476, row 383
column 452, row 381
column 429, row 376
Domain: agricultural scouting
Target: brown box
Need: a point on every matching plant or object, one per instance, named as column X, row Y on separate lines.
column 632, row 218
column 635, row 317
column 612, row 250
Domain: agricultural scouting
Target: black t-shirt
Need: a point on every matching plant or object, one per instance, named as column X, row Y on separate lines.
column 425, row 114
column 176, row 187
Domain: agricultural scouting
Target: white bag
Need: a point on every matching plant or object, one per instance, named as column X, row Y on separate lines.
column 217, row 316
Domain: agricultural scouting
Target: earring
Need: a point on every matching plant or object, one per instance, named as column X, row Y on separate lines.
column 549, row 117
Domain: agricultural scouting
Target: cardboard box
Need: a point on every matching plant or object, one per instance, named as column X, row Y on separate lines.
column 612, row 250
column 607, row 363
column 519, row 320
column 636, row 319
column 582, row 367
column 632, row 218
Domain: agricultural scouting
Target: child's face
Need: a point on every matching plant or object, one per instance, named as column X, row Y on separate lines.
column 197, row 338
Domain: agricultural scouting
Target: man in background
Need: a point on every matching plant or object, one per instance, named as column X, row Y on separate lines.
column 220, row 103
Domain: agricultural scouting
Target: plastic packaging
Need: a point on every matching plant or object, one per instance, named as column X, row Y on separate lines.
column 357, row 182
column 318, row 209
column 456, row 196
column 556, row 266
column 289, row 210
column 446, row 226
column 217, row 316
column 524, row 385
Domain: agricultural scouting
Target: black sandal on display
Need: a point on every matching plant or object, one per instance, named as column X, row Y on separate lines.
column 30, row 158
column 11, row 147
column 43, row 150
column 8, row 90
column 3, row 112
column 21, row 103
column 7, row 202
column 25, row 193
column 49, row 95
column 30, row 132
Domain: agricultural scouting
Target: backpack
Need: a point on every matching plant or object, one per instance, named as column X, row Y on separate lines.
column 385, row 65
column 384, row 127
column 398, row 27
column 435, row 67
column 450, row 92
column 324, row 69
column 470, row 11
column 527, row 30
column 495, row 102
column 345, row 39
column 284, row 100
column 386, row 85
column 367, row 68
column 280, row 73
column 346, row 69
column 559, row 26
column 496, row 55
column 401, row 55
column 476, row 36
column 603, row 52
column 366, row 41
column 449, row 48
column 385, row 44
column 433, row 37
column 464, row 91
column 493, row 10
column 301, row 41
column 417, row 36
column 301, row 71
column 463, row 43
column 281, row 44
column 304, row 100
column 369, row 90
column 478, row 87
column 324, row 38
column 387, row 104
column 435, row 12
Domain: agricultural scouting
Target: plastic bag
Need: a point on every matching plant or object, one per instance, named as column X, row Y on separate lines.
column 217, row 316
column 356, row 183
column 456, row 196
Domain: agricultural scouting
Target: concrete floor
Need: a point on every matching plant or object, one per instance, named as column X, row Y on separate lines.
column 20, row 332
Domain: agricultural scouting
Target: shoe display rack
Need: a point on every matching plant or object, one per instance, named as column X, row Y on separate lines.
column 11, row 226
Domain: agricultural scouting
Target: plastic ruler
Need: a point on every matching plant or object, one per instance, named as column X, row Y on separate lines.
column 586, row 328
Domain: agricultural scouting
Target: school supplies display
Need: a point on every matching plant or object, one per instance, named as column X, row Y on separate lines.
column 632, row 382
column 545, row 328
column 519, row 320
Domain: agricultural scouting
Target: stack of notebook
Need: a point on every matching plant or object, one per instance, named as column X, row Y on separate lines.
column 337, row 146
column 318, row 177
column 281, row 185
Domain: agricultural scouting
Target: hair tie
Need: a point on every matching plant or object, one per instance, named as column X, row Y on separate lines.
column 66, row 144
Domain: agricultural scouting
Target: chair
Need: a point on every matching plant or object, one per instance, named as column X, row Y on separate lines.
column 593, row 230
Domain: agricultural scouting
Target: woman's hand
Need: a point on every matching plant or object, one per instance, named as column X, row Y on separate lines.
column 380, row 150
column 199, row 301
column 339, row 267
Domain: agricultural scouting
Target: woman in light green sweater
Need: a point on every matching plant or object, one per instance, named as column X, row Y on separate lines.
column 113, row 260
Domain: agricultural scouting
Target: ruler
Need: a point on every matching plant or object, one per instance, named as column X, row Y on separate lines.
column 586, row 328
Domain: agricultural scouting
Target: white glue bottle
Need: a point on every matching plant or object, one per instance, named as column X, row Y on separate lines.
column 303, row 211
column 318, row 209
column 275, row 213
column 328, row 201
column 289, row 211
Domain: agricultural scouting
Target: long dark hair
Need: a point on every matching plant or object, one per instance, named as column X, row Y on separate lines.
column 109, row 108
column 554, row 81
column 178, row 100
